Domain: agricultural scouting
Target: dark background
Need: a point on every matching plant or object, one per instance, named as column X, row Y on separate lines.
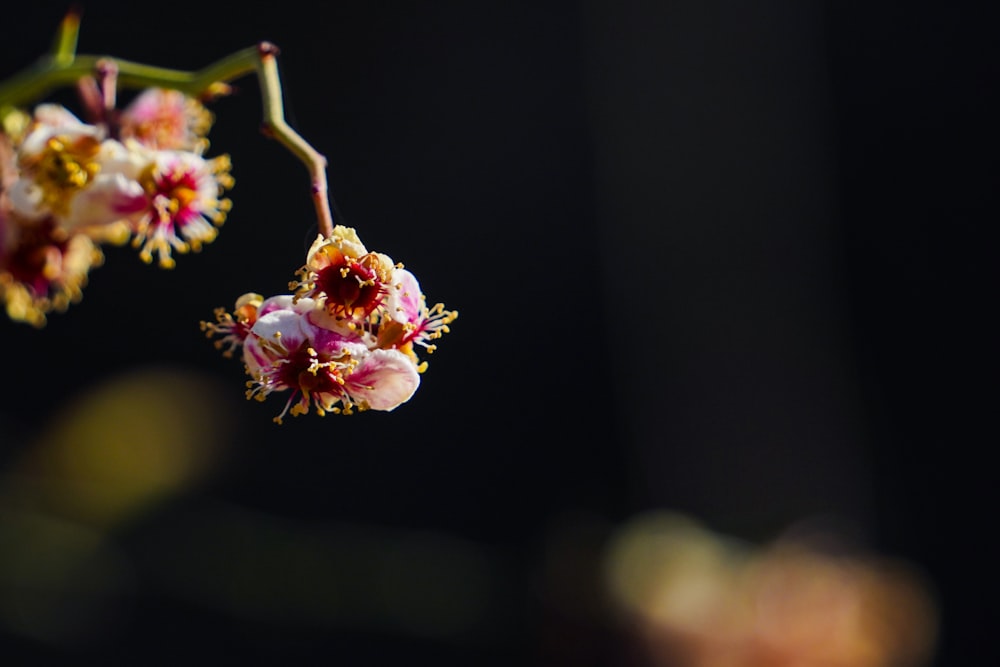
column 732, row 259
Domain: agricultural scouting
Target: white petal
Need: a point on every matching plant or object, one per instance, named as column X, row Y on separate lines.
column 254, row 356
column 348, row 241
column 26, row 199
column 284, row 326
column 170, row 159
column 36, row 140
column 273, row 303
column 404, row 302
column 55, row 115
column 128, row 160
column 384, row 380
column 332, row 336
column 107, row 199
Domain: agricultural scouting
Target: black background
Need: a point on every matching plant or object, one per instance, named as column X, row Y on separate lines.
column 737, row 261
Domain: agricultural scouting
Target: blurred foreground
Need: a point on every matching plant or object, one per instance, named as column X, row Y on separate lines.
column 102, row 516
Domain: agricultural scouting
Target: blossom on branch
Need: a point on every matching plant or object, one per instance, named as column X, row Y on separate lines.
column 45, row 271
column 297, row 347
column 182, row 207
column 70, row 171
column 67, row 186
column 41, row 268
column 344, row 341
column 343, row 276
column 166, row 120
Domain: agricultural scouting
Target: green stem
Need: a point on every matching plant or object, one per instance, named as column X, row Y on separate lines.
column 275, row 125
column 64, row 47
column 63, row 67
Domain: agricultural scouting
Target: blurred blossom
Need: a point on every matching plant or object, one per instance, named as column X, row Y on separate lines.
column 105, row 459
column 122, row 446
column 698, row 599
column 67, row 186
column 167, row 120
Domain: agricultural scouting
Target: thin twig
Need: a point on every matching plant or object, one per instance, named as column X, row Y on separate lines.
column 276, row 127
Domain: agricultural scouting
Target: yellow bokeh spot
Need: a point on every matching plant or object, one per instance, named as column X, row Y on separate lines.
column 125, row 445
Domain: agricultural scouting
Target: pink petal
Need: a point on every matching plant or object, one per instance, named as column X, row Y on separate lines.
column 404, row 303
column 384, row 380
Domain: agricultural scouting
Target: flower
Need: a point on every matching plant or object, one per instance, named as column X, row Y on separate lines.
column 409, row 321
column 45, row 270
column 344, row 341
column 183, row 205
column 67, row 186
column 41, row 267
column 166, row 120
column 70, row 172
column 153, row 184
column 295, row 346
column 342, row 275
column 58, row 157
column 234, row 328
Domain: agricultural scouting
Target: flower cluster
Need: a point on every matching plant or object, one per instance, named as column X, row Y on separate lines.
column 346, row 339
column 67, row 186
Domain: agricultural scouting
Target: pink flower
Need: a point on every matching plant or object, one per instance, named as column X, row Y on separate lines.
column 409, row 321
column 234, row 328
column 182, row 206
column 166, row 120
column 53, row 120
column 70, row 172
column 43, row 270
column 295, row 345
column 345, row 340
column 343, row 276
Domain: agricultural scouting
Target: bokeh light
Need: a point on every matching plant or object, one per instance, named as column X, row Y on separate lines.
column 695, row 598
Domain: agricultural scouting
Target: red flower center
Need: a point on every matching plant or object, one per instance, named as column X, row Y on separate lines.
column 37, row 260
column 302, row 372
column 351, row 288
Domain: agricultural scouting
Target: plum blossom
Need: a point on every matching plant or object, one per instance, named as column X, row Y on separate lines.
column 295, row 346
column 182, row 207
column 166, row 120
column 343, row 276
column 154, row 184
column 234, row 328
column 41, row 269
column 408, row 320
column 44, row 270
column 67, row 186
column 344, row 341
column 70, row 171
